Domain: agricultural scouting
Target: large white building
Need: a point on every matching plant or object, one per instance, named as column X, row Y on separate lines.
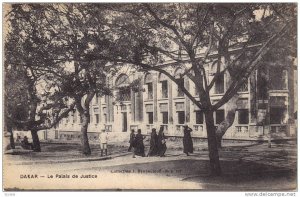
column 158, row 101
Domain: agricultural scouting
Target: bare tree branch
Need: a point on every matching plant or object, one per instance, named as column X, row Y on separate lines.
column 57, row 119
column 172, row 28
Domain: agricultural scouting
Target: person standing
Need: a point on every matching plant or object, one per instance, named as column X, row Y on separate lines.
column 153, row 143
column 103, row 138
column 187, row 140
column 139, row 146
column 161, row 142
column 131, row 140
column 25, row 143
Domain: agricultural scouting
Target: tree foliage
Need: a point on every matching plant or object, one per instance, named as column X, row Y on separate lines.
column 96, row 39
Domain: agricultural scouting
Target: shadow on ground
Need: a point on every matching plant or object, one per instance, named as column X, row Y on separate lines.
column 237, row 176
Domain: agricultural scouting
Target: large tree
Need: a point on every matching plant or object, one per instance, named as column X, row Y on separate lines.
column 15, row 102
column 232, row 39
column 51, row 40
column 85, row 78
column 28, row 108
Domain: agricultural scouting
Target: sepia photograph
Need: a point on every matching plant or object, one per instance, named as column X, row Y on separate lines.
column 149, row 97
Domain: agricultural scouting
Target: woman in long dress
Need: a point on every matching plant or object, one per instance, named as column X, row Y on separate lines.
column 153, row 143
column 161, row 142
column 187, row 141
column 139, row 148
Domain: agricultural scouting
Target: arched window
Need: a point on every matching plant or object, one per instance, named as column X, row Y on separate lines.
column 124, row 90
column 122, row 80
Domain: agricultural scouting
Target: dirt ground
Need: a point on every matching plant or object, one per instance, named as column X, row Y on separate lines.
column 245, row 166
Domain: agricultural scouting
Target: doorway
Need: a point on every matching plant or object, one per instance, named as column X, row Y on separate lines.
column 124, row 121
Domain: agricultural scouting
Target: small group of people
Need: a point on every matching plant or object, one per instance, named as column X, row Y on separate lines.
column 25, row 144
column 136, row 142
column 158, row 144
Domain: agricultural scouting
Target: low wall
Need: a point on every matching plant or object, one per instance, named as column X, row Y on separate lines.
column 74, row 136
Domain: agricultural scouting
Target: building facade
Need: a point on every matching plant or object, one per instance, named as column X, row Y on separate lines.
column 266, row 105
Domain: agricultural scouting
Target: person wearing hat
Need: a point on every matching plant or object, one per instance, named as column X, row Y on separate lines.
column 187, row 140
column 103, row 138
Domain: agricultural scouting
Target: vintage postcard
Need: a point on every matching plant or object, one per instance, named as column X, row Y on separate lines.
column 150, row 96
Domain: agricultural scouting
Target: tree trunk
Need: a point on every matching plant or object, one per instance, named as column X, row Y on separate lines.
column 11, row 137
column 35, row 141
column 227, row 123
column 215, row 168
column 84, row 137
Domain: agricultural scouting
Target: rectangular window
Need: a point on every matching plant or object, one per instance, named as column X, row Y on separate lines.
column 181, row 117
column 278, row 79
column 199, row 117
column 165, row 117
column 97, row 118
column 244, row 87
column 150, row 91
column 277, row 115
column 164, row 89
column 219, row 84
column 180, row 92
column 150, row 117
column 220, row 116
column 243, row 116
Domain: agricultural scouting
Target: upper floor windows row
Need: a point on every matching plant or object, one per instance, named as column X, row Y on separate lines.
column 267, row 79
column 163, row 87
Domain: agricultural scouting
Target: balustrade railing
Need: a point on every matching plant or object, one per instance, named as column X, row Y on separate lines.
column 179, row 129
column 108, row 128
column 277, row 128
column 198, row 128
column 241, row 131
